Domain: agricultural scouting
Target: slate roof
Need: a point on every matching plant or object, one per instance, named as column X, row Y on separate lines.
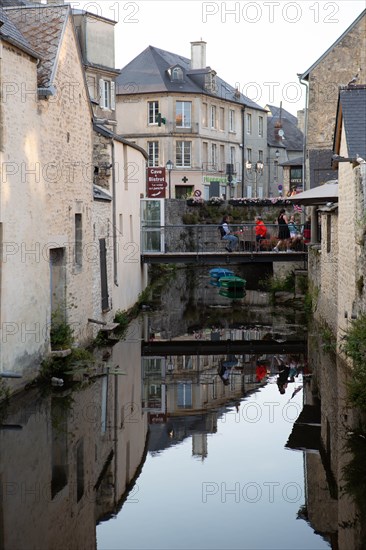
column 148, row 73
column 292, row 162
column 9, row 3
column 44, row 34
column 351, row 111
column 280, row 111
column 11, row 33
column 293, row 137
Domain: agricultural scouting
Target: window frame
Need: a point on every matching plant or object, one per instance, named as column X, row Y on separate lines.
column 249, row 123
column 153, row 153
column 184, row 105
column 232, row 120
column 152, row 112
column 260, row 126
column 107, row 93
column 184, row 145
column 213, row 117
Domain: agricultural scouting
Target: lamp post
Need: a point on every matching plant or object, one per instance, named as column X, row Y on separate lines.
column 169, row 166
column 258, row 169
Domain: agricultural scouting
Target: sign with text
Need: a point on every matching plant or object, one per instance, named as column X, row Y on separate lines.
column 156, row 183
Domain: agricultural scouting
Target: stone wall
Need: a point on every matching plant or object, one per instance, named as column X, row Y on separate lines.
column 336, row 69
column 67, row 140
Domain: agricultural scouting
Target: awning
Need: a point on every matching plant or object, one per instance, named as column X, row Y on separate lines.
column 328, row 192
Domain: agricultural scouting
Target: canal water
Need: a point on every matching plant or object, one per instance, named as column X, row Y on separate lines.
column 181, row 439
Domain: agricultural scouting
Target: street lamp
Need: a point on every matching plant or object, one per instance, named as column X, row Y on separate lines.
column 258, row 169
column 169, row 166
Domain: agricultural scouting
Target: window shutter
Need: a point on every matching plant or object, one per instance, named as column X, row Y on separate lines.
column 101, row 93
column 113, row 95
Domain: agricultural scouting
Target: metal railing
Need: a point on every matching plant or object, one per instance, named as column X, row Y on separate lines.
column 207, row 239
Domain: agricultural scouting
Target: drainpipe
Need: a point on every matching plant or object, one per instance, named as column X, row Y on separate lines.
column 304, row 171
column 243, row 152
column 114, row 216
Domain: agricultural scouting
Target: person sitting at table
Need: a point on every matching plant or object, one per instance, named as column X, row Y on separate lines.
column 260, row 232
column 226, row 235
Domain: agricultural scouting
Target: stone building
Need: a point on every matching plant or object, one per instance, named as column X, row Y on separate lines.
column 70, row 187
column 179, row 110
column 46, row 199
column 337, row 264
column 285, row 148
column 343, row 62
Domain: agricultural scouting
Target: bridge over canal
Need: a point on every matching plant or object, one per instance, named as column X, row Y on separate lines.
column 202, row 245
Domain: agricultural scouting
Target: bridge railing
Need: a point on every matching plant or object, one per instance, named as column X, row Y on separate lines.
column 207, row 239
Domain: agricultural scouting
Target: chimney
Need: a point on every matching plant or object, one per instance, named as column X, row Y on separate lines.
column 278, row 133
column 198, row 55
column 301, row 120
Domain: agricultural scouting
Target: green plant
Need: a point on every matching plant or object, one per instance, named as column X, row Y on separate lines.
column 354, row 346
column 61, row 334
column 354, row 342
column 275, row 284
column 64, row 367
column 329, row 340
column 354, row 473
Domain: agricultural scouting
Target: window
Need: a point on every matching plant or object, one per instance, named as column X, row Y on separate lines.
column 204, row 155
column 177, row 74
column 92, row 84
column 153, row 153
column 153, row 110
column 249, row 123
column 260, row 156
column 249, row 155
column 232, row 120
column 183, row 154
column 214, row 155
column 276, row 169
column 210, row 82
column 103, row 275
column 183, row 114
column 260, row 126
column 232, row 155
column 184, row 397
column 107, row 94
column 213, row 116
column 183, row 191
column 222, row 157
column 329, row 233
column 222, row 119
column 78, row 240
column 204, row 115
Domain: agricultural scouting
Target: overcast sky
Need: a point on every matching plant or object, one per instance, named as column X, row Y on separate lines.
column 259, row 46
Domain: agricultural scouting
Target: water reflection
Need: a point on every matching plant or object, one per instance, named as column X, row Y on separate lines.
column 200, row 435
column 331, row 435
column 72, row 456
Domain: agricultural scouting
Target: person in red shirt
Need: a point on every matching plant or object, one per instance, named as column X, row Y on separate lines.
column 260, row 232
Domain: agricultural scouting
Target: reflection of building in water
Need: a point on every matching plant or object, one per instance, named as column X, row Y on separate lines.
column 321, row 432
column 80, row 451
column 190, row 301
column 199, row 445
column 185, row 395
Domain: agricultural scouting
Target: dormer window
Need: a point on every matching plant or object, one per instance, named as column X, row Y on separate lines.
column 210, row 82
column 176, row 74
